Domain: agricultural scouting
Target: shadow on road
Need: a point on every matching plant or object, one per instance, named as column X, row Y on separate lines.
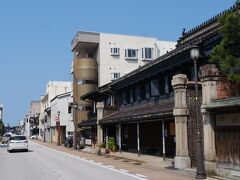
column 21, row 151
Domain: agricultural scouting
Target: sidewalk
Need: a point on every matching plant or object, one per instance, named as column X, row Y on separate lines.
column 149, row 167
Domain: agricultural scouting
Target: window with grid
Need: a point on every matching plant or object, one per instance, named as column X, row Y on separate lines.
column 147, row 53
column 131, row 54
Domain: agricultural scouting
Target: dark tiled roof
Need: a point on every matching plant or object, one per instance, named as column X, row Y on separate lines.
column 224, row 103
column 195, row 36
column 89, row 122
column 142, row 112
column 97, row 92
column 210, row 24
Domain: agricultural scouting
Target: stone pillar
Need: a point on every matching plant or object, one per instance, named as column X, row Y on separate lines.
column 179, row 83
column 209, row 76
column 120, row 137
column 138, row 139
column 163, row 141
column 99, row 106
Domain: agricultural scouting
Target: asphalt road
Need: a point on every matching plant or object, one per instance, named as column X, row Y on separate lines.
column 42, row 163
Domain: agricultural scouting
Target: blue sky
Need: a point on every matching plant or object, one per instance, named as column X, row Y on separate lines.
column 35, row 37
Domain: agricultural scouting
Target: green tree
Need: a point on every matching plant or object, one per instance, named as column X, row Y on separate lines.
column 111, row 144
column 227, row 54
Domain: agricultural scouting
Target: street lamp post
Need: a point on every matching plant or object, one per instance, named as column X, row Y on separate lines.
column 200, row 174
column 44, row 126
column 58, row 126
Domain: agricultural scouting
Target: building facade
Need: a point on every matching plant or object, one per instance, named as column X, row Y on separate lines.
column 100, row 58
column 31, row 120
column 61, row 111
column 53, row 88
column 153, row 109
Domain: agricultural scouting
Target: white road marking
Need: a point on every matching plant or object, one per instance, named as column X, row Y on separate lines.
column 110, row 166
column 124, row 170
column 140, row 175
column 97, row 164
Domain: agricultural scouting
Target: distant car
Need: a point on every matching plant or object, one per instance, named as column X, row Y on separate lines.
column 34, row 137
column 18, row 142
column 6, row 138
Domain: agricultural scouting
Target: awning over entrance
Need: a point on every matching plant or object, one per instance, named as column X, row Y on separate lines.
column 142, row 112
column 89, row 122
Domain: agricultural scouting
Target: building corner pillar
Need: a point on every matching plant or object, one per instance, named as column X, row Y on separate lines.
column 180, row 112
column 100, row 107
column 209, row 76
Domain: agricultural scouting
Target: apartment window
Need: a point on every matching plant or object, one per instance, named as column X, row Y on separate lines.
column 147, row 53
column 69, row 109
column 70, row 133
column 115, row 51
column 115, row 76
column 80, row 81
column 130, row 53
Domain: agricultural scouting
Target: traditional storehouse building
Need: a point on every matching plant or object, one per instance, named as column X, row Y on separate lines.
column 152, row 110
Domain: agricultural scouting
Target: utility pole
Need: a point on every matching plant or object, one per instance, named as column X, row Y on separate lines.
column 75, row 126
column 58, row 126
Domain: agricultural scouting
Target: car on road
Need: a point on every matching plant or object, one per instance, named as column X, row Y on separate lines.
column 6, row 138
column 17, row 142
column 34, row 137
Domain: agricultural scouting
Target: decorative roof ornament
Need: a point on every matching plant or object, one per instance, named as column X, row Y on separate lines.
column 184, row 32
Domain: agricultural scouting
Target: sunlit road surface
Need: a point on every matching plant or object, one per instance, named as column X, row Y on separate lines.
column 42, row 163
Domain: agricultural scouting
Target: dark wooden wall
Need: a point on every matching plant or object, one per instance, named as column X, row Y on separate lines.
column 228, row 147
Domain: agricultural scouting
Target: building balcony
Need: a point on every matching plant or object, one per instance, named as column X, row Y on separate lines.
column 85, row 40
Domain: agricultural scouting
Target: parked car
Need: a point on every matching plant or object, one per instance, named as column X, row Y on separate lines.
column 34, row 137
column 6, row 138
column 69, row 142
column 17, row 142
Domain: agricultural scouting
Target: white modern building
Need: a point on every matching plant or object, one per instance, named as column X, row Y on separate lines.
column 53, row 89
column 118, row 54
column 31, row 120
column 62, row 112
